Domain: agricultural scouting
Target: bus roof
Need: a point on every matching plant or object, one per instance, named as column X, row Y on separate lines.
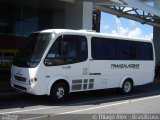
column 93, row 33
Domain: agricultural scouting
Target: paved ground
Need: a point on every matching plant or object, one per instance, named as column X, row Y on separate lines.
column 85, row 105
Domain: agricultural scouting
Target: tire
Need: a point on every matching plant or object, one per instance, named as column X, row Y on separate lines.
column 127, row 87
column 157, row 71
column 59, row 92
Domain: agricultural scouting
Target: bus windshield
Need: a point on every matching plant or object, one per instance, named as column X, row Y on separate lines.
column 32, row 50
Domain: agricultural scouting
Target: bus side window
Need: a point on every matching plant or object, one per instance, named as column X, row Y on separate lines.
column 103, row 48
column 127, row 50
column 145, row 51
column 54, row 49
column 67, row 49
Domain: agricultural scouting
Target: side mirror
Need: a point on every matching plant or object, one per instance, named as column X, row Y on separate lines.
column 48, row 62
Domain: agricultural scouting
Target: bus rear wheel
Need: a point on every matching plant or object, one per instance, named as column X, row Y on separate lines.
column 127, row 87
column 59, row 92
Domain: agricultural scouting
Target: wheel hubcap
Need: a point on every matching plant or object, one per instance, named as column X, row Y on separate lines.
column 60, row 92
column 127, row 86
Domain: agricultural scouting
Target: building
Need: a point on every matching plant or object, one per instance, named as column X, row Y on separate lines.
column 19, row 18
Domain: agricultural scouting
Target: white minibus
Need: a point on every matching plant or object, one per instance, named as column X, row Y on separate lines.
column 57, row 62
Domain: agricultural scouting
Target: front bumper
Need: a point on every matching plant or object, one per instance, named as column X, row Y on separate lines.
column 28, row 88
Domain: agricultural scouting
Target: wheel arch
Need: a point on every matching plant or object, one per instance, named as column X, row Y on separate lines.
column 55, row 81
column 126, row 77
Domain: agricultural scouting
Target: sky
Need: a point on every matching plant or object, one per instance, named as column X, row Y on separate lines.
column 121, row 26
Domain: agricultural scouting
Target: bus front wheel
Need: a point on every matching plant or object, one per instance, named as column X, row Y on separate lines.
column 59, row 92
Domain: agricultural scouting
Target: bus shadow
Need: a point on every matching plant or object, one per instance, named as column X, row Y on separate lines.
column 112, row 95
column 24, row 100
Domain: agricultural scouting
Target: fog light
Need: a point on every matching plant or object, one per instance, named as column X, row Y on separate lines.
column 33, row 80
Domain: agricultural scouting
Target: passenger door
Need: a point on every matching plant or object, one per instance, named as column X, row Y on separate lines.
column 68, row 58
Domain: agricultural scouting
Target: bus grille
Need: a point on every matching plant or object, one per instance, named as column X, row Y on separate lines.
column 18, row 78
column 19, row 87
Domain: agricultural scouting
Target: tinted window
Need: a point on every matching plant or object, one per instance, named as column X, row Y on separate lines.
column 126, row 50
column 112, row 49
column 68, row 49
column 103, row 49
column 144, row 51
column 32, row 50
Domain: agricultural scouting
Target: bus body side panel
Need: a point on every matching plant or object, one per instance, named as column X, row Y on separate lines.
column 112, row 74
